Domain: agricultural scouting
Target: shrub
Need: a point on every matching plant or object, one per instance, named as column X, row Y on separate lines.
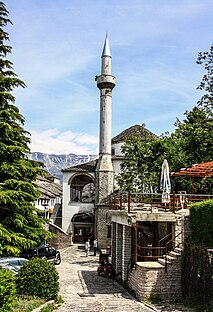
column 7, row 290
column 38, row 277
column 201, row 223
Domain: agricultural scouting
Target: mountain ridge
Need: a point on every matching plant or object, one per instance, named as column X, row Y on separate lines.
column 55, row 162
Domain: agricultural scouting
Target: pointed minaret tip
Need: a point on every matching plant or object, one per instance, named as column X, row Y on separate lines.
column 106, row 49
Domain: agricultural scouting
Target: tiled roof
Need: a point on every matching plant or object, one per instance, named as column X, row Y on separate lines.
column 47, row 187
column 86, row 167
column 135, row 130
column 197, row 170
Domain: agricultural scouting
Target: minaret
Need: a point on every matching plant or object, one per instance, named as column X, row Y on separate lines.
column 105, row 83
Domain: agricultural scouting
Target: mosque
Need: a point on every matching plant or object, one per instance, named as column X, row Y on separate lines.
column 138, row 233
column 86, row 186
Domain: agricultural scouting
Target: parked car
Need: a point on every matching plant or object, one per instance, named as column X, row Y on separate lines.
column 44, row 252
column 12, row 263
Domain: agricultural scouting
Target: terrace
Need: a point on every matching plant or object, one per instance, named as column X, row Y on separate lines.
column 152, row 202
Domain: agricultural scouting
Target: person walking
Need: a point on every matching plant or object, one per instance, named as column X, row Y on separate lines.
column 95, row 246
column 87, row 247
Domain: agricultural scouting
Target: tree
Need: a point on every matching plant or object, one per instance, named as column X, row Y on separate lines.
column 195, row 134
column 20, row 225
column 206, row 60
column 139, row 171
column 190, row 143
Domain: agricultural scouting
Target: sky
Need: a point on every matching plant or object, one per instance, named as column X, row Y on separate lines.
column 57, row 47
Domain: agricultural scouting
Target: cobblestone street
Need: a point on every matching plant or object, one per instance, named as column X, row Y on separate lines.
column 83, row 290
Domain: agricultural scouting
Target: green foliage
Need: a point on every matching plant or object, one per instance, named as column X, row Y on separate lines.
column 26, row 303
column 206, row 60
column 20, row 227
column 195, row 134
column 139, row 171
column 38, row 277
column 7, row 290
column 201, row 223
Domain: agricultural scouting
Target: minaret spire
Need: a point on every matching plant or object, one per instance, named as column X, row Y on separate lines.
column 106, row 58
column 105, row 83
column 106, row 49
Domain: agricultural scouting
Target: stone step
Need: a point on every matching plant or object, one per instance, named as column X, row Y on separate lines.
column 178, row 250
column 169, row 258
column 163, row 261
column 174, row 254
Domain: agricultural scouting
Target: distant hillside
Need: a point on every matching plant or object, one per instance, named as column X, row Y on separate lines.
column 54, row 163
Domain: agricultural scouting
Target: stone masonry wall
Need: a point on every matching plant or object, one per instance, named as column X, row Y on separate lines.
column 61, row 239
column 104, row 185
column 182, row 227
column 119, row 243
column 102, row 221
column 150, row 280
column 126, row 252
column 113, row 244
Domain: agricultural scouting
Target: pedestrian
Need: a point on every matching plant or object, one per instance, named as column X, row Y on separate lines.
column 95, row 246
column 87, row 247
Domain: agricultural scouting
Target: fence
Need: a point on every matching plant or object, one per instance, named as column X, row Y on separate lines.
column 153, row 201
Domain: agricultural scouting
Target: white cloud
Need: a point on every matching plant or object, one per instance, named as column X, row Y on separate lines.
column 52, row 141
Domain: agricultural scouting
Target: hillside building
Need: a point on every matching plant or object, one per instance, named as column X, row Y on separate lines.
column 49, row 202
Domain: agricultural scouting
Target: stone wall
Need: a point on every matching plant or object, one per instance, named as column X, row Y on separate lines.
column 102, row 222
column 126, row 252
column 61, row 239
column 197, row 274
column 118, row 251
column 153, row 280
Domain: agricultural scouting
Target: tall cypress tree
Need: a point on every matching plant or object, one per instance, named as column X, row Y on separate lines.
column 20, row 225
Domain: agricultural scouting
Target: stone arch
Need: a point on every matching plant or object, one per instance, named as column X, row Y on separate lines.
column 83, row 225
column 82, row 188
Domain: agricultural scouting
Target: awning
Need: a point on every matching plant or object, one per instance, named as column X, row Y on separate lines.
column 197, row 170
column 203, row 170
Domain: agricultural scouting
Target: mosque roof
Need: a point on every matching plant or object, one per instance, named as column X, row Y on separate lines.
column 86, row 167
column 136, row 130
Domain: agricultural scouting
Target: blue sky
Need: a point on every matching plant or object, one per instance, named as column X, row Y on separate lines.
column 57, row 46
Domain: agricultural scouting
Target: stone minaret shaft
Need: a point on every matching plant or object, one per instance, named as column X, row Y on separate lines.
column 105, row 83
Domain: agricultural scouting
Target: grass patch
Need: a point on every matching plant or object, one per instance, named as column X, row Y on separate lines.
column 26, row 304
column 53, row 306
column 49, row 308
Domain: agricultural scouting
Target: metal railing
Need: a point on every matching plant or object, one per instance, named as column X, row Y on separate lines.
column 153, row 201
column 153, row 253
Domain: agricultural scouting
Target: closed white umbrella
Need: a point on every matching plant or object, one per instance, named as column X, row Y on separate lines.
column 165, row 184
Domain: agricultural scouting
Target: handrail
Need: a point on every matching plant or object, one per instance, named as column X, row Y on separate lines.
column 150, row 249
column 160, row 249
column 171, row 240
column 159, row 242
column 164, row 238
column 147, row 201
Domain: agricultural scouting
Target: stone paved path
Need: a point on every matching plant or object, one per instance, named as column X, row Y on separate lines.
column 83, row 290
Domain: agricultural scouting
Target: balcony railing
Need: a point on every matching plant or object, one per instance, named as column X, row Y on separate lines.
column 152, row 202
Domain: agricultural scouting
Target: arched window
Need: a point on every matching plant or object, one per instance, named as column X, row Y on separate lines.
column 82, row 189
